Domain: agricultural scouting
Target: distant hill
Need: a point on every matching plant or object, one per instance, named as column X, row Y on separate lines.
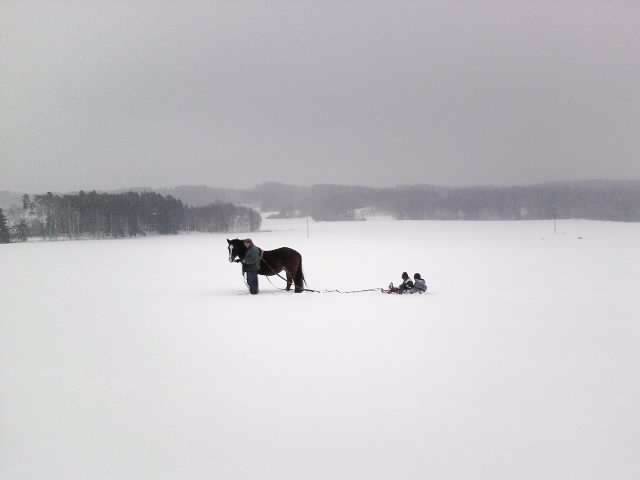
column 290, row 200
column 617, row 200
column 201, row 195
column 590, row 199
column 593, row 199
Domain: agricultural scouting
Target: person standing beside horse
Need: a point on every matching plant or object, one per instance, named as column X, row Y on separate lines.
column 267, row 262
column 251, row 265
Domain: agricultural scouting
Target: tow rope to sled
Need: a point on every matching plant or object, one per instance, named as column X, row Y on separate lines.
column 308, row 289
column 335, row 290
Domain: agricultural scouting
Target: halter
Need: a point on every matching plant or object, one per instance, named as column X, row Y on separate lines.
column 232, row 255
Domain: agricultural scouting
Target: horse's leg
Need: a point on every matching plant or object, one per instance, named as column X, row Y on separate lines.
column 299, row 277
column 289, row 279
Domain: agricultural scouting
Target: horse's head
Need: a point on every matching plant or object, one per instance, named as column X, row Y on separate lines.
column 237, row 249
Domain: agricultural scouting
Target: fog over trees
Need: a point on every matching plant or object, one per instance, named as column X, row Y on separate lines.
column 208, row 209
column 117, row 215
column 619, row 201
column 599, row 200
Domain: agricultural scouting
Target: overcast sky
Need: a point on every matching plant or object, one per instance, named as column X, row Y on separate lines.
column 110, row 94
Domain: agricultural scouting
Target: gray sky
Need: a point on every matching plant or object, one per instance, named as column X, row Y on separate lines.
column 114, row 93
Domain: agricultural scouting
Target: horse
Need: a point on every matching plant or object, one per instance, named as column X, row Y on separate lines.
column 273, row 262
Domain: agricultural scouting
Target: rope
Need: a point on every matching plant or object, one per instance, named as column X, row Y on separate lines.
column 282, row 278
column 274, row 286
column 353, row 291
column 309, row 289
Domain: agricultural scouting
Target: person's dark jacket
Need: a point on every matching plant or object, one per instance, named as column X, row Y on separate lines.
column 251, row 262
column 420, row 286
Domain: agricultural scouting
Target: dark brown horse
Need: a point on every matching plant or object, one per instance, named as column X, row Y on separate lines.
column 273, row 262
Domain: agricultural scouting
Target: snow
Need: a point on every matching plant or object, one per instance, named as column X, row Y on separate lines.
column 146, row 358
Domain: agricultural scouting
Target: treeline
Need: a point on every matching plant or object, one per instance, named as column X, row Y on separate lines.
column 277, row 198
column 222, row 217
column 619, row 201
column 587, row 201
column 5, row 235
column 125, row 214
column 101, row 215
column 116, row 215
column 601, row 200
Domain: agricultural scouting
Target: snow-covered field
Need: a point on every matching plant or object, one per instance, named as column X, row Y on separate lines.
column 147, row 359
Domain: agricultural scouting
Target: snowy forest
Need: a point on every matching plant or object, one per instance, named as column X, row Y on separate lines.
column 117, row 215
column 617, row 201
column 207, row 209
column 595, row 200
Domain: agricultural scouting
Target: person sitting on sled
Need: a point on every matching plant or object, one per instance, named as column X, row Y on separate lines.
column 251, row 265
column 419, row 285
column 406, row 284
